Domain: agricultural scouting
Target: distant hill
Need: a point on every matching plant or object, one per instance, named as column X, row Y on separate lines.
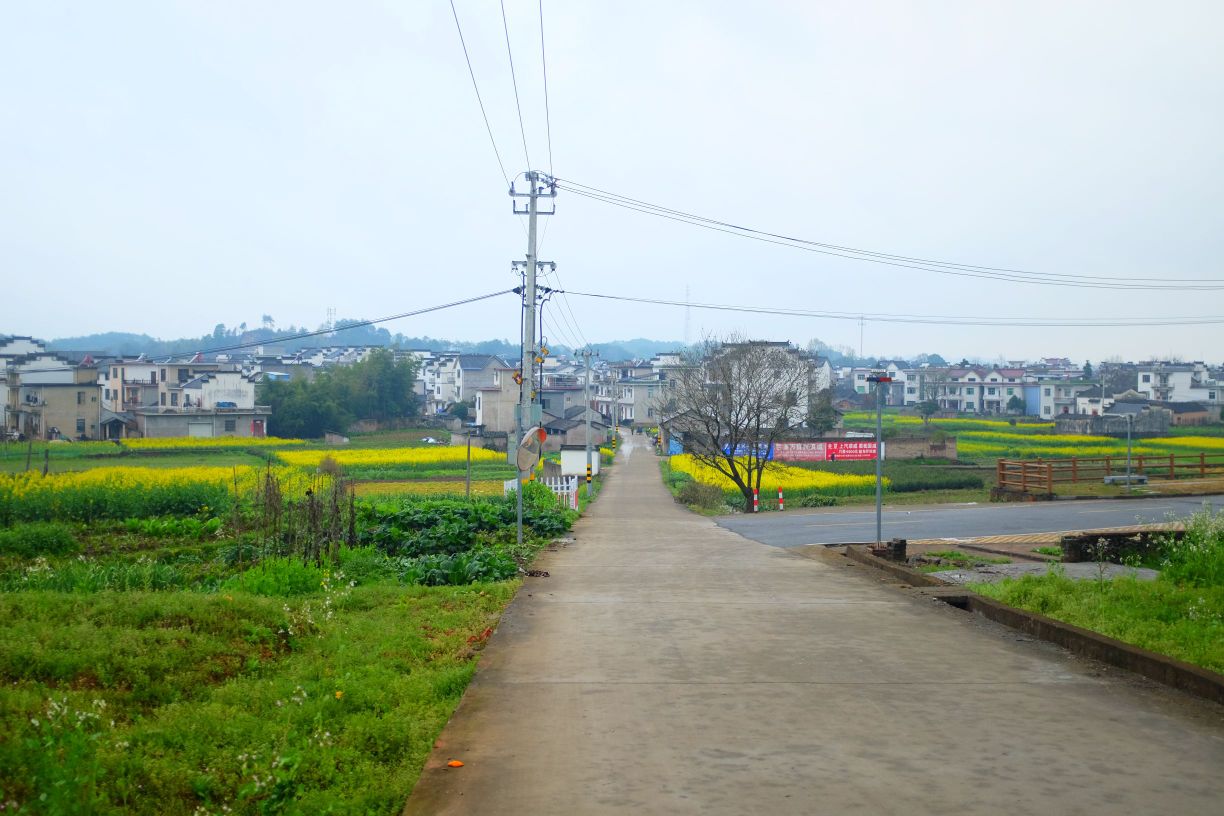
column 129, row 344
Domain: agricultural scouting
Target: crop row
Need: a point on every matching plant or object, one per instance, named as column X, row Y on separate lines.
column 132, row 492
column 794, row 480
column 374, row 457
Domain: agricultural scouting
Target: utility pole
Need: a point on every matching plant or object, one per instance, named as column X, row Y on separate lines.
column 538, row 185
column 586, row 355
column 879, row 378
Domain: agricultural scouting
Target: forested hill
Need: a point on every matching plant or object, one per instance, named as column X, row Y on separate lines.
column 131, row 344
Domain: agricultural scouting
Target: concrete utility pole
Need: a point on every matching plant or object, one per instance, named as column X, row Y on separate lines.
column 538, row 185
column 879, row 378
column 586, row 355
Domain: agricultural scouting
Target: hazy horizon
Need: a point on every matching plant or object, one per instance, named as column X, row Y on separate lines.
column 165, row 161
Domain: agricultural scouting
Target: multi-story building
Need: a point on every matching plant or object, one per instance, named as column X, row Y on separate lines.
column 180, row 397
column 1181, row 382
column 51, row 398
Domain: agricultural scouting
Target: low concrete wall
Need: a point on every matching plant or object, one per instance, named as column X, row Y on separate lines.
column 859, row 553
column 914, row 447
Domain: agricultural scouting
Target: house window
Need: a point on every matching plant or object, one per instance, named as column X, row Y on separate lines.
column 1147, row 378
column 174, row 398
column 990, row 391
column 1010, row 391
column 183, row 375
column 1211, row 395
column 163, row 375
column 80, row 425
column 969, row 390
column 1047, row 392
column 1045, row 409
column 163, row 398
column 231, row 425
column 80, row 398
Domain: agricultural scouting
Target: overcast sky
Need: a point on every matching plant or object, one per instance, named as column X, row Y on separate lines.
column 165, row 166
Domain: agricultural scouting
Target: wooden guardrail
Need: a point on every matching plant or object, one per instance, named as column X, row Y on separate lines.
column 1041, row 475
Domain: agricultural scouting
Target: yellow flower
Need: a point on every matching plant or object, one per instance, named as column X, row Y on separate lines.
column 370, row 457
column 339, row 694
column 778, row 475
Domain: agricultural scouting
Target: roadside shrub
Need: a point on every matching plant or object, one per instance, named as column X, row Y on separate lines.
column 476, row 566
column 699, row 494
column 38, row 538
column 816, row 500
column 937, row 481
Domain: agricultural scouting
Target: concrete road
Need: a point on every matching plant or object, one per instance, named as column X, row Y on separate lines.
column 669, row 666
column 844, row 526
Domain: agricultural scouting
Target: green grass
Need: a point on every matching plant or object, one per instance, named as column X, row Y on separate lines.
column 1056, row 551
column 215, row 700
column 1182, row 622
column 1181, row 614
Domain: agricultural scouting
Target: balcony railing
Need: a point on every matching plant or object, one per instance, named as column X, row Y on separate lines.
column 196, row 409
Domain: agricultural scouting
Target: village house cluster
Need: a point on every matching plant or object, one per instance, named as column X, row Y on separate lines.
column 66, row 395
column 1050, row 388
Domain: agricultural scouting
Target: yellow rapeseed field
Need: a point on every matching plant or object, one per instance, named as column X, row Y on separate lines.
column 374, row 457
column 779, row 475
column 197, row 442
column 1208, row 444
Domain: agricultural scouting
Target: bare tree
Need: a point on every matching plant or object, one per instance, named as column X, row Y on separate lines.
column 732, row 400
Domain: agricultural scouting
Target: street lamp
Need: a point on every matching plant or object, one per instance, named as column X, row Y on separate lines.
column 879, row 378
column 1130, row 418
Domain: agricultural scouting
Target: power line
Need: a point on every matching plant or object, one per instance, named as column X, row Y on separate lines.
column 927, row 261
column 556, row 331
column 924, row 319
column 570, row 310
column 547, row 113
column 941, row 267
column 514, row 81
column 479, row 101
column 302, row 335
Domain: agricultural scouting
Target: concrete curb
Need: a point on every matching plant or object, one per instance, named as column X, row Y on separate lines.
column 1163, row 669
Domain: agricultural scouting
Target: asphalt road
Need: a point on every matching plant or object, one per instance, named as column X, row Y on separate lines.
column 803, row 527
